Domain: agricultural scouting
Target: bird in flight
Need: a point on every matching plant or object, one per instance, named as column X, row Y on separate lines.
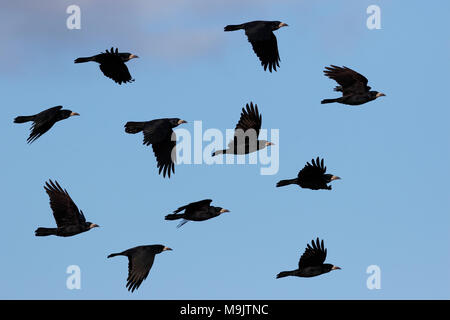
column 69, row 220
column 353, row 86
column 246, row 133
column 264, row 43
column 140, row 261
column 312, row 176
column 160, row 135
column 43, row 121
column 311, row 262
column 196, row 211
column 112, row 64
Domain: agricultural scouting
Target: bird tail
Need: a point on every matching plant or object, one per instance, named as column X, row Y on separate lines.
column 42, row 232
column 174, row 216
column 22, row 119
column 338, row 89
column 283, row 183
column 215, row 153
column 284, row 274
column 233, row 27
column 329, row 101
column 134, row 127
column 83, row 59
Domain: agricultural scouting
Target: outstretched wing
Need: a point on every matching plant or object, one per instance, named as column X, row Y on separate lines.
column 65, row 211
column 314, row 255
column 265, row 46
column 351, row 81
column 140, row 262
column 43, row 122
column 312, row 171
column 250, row 120
column 114, row 68
column 165, row 153
column 198, row 205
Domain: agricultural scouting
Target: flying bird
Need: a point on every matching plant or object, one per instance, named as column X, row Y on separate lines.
column 196, row 211
column 112, row 64
column 160, row 135
column 353, row 86
column 312, row 176
column 69, row 220
column 246, row 133
column 264, row 43
column 140, row 261
column 311, row 263
column 43, row 121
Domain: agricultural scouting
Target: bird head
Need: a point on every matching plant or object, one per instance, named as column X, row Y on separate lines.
column 335, row 268
column 126, row 56
column 330, row 177
column 64, row 114
column 329, row 267
column 377, row 94
column 92, row 225
column 176, row 122
column 264, row 143
column 278, row 24
column 220, row 210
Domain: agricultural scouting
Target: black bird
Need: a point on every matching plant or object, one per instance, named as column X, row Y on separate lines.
column 69, row 220
column 353, row 86
column 140, row 261
column 112, row 64
column 312, row 176
column 160, row 135
column 264, row 43
column 196, row 211
column 311, row 263
column 246, row 133
column 43, row 121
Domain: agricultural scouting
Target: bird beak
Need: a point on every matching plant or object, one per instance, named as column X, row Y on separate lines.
column 181, row 121
column 224, row 210
column 268, row 143
column 94, row 226
column 133, row 56
column 74, row 114
column 335, row 268
column 380, row 94
column 283, row 25
column 335, row 178
column 167, row 249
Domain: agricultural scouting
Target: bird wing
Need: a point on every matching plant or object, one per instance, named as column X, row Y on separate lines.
column 265, row 46
column 156, row 131
column 195, row 205
column 114, row 68
column 250, row 119
column 165, row 154
column 65, row 211
column 351, row 81
column 312, row 171
column 43, row 122
column 140, row 262
column 314, row 255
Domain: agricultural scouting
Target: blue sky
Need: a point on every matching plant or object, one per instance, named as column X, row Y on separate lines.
column 390, row 209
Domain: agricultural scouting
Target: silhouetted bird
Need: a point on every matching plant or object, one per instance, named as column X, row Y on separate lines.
column 311, row 263
column 264, row 43
column 69, row 220
column 112, row 64
column 353, row 86
column 43, row 121
column 196, row 211
column 312, row 176
column 246, row 133
column 140, row 261
column 160, row 135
